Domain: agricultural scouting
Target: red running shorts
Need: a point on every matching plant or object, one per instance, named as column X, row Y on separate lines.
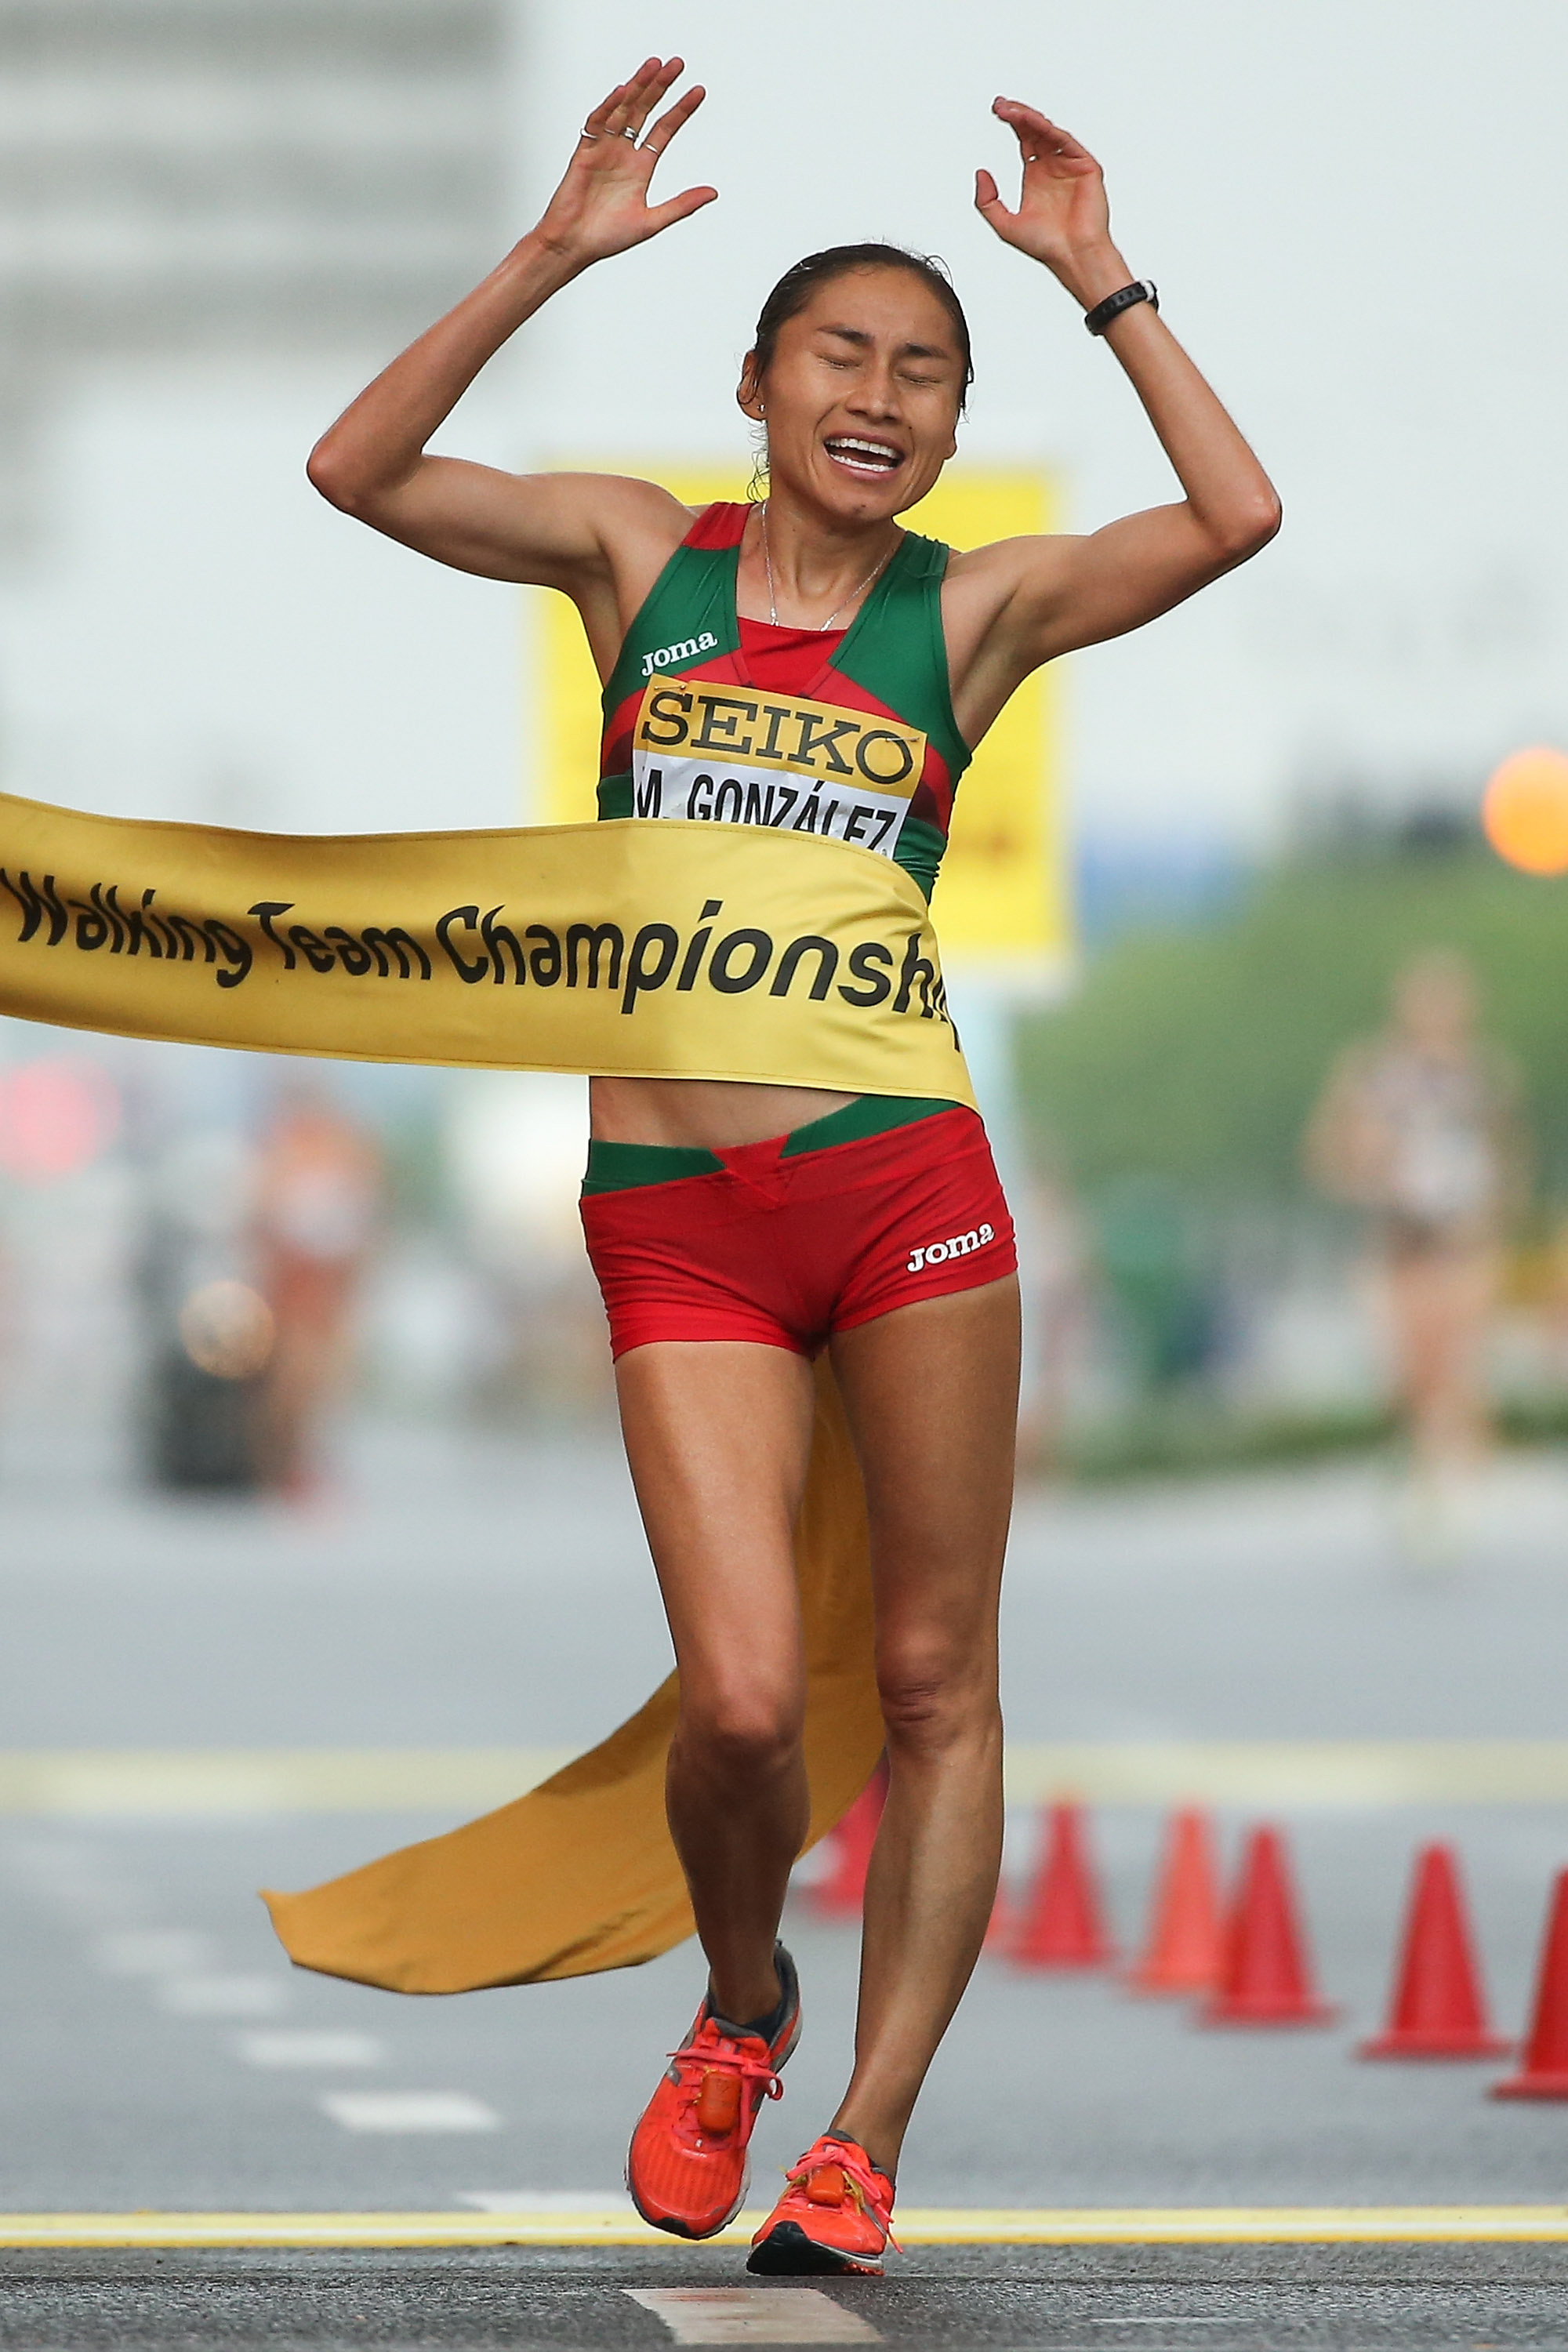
column 785, row 1251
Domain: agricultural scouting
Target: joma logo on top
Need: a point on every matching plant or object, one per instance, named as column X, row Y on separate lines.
column 722, row 724
column 687, row 650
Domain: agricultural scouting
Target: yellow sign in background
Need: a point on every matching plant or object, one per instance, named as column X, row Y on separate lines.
column 1002, row 903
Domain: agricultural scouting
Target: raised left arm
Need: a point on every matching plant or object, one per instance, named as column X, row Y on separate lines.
column 1057, row 594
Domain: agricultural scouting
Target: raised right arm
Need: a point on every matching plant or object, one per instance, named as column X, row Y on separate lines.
column 557, row 531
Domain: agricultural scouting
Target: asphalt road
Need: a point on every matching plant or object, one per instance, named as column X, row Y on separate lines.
column 479, row 1593
column 142, row 2062
column 1448, row 2300
column 155, row 2051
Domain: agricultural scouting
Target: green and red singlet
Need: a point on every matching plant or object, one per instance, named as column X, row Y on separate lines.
column 849, row 734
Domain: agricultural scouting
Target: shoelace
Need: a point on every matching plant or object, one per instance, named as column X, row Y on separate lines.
column 734, row 2060
column 856, row 2180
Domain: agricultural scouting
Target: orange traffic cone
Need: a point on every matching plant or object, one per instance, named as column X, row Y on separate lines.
column 1061, row 1922
column 1438, row 2008
column 1266, row 1978
column 1544, row 2073
column 841, row 1891
column 1185, row 1939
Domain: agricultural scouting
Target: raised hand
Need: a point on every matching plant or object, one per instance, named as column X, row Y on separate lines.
column 1062, row 218
column 601, row 207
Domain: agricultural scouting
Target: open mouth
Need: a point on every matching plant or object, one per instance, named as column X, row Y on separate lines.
column 871, row 458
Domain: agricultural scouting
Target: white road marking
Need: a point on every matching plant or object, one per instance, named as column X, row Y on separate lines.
column 154, row 1952
column 297, row 2049
column 757, row 2315
column 408, row 2111
column 1351, row 1773
column 231, row 1781
column 223, row 1996
column 546, row 2200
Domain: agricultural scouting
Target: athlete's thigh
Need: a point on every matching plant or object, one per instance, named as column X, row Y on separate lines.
column 718, row 1435
column 932, row 1393
column 1431, row 1317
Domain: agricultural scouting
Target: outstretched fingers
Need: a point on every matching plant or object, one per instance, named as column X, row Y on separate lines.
column 597, row 124
column 988, row 199
column 680, row 207
column 1038, row 135
column 603, row 199
column 690, row 200
column 643, row 93
column 672, row 119
column 676, row 208
column 628, row 105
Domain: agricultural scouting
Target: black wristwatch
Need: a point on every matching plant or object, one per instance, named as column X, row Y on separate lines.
column 1142, row 289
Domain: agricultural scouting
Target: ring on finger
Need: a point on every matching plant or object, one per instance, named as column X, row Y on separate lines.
column 586, row 134
column 630, row 134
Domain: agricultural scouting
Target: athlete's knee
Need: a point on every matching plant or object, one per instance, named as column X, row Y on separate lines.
column 934, row 1701
column 750, row 1729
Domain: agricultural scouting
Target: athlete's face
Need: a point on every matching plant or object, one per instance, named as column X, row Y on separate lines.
column 861, row 398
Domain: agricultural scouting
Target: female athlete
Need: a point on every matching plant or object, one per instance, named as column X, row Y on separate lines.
column 737, row 1230
column 1420, row 1125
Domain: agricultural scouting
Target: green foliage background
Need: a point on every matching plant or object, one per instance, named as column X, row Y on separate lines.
column 1195, row 1057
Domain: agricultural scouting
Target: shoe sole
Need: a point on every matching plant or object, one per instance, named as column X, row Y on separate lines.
column 678, row 2228
column 787, row 2253
column 667, row 2222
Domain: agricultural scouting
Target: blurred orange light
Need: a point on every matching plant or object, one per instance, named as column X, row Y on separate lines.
column 1524, row 810
column 227, row 1329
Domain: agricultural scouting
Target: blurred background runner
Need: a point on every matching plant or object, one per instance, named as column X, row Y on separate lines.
column 1420, row 1127
column 317, row 1200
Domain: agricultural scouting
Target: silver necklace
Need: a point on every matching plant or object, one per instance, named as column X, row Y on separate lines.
column 822, row 626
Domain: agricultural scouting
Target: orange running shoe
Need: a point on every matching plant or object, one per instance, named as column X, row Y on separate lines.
column 836, row 2214
column 687, row 2168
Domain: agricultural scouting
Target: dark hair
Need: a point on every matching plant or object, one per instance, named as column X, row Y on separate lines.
column 797, row 287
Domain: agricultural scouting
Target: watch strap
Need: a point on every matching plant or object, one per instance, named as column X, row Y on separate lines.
column 1142, row 289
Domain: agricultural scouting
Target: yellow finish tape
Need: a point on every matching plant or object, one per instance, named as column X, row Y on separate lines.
column 1200, row 2225
column 634, row 949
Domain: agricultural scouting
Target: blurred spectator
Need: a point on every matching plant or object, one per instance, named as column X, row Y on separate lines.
column 1419, row 1126
column 198, row 1398
column 316, row 1204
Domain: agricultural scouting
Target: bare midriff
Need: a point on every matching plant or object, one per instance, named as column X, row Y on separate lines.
column 714, row 1114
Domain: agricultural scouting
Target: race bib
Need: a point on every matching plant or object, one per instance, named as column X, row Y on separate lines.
column 736, row 755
